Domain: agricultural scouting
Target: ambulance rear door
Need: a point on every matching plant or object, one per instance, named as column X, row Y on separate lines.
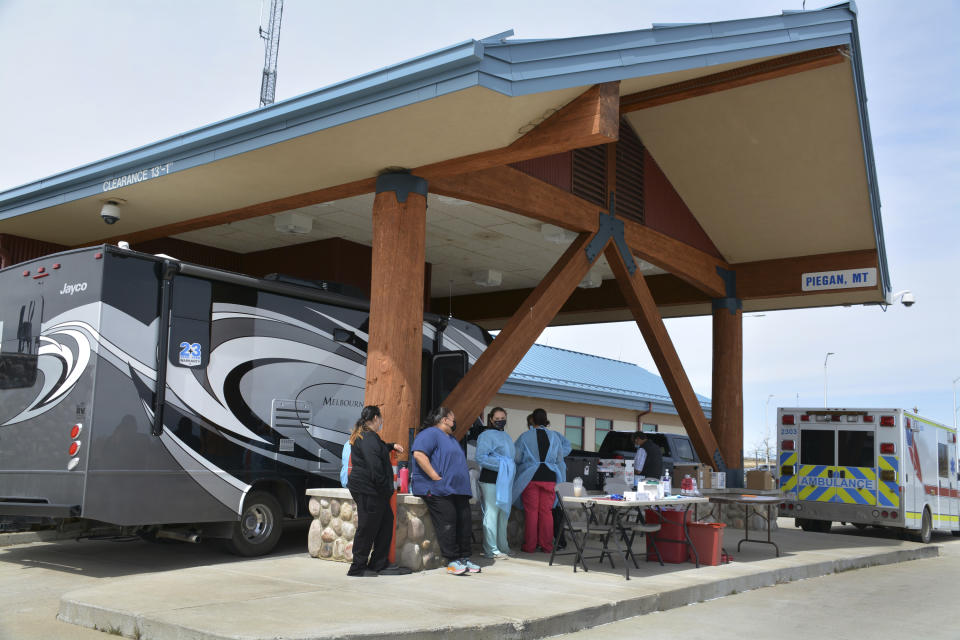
column 817, row 459
column 856, row 470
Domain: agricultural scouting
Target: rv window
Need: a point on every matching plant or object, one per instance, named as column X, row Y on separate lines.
column 816, row 447
column 447, row 369
column 855, row 449
column 18, row 351
column 943, row 466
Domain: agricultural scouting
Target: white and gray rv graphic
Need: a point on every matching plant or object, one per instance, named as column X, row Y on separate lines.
column 275, row 389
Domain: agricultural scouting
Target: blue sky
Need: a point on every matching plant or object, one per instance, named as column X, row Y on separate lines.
column 86, row 80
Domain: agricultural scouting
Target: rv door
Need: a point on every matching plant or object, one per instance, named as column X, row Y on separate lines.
column 446, row 370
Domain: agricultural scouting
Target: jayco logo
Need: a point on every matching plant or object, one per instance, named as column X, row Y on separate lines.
column 70, row 289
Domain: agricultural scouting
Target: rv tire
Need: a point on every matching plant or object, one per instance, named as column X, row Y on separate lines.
column 926, row 527
column 258, row 530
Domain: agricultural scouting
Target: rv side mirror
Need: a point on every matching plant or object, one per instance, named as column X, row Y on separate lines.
column 342, row 335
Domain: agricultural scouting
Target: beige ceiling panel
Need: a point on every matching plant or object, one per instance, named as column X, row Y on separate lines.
column 410, row 136
column 770, row 170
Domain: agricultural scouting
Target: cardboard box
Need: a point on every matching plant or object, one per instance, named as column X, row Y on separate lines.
column 760, row 480
column 699, row 472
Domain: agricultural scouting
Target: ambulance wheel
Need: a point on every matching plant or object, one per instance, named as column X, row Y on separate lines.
column 926, row 527
column 860, row 525
column 806, row 525
column 823, row 526
column 259, row 528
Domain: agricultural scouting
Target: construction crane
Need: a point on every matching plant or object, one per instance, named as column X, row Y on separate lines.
column 271, row 46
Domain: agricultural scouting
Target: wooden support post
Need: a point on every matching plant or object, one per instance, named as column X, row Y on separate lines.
column 494, row 366
column 640, row 301
column 727, row 422
column 394, row 349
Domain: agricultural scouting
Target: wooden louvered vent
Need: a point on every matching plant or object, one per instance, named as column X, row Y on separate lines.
column 629, row 203
column 590, row 174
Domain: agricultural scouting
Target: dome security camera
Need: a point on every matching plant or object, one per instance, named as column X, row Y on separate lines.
column 908, row 300
column 110, row 211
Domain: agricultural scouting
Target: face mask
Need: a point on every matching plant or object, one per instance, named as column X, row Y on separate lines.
column 499, row 424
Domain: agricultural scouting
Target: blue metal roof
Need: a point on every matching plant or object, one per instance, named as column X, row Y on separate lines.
column 559, row 374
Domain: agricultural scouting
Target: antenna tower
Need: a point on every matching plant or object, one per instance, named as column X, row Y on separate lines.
column 271, row 46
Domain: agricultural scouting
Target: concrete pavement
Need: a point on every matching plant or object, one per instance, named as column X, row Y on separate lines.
column 293, row 596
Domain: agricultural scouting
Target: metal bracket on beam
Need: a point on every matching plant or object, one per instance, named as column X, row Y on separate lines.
column 718, row 461
column 403, row 183
column 730, row 302
column 610, row 227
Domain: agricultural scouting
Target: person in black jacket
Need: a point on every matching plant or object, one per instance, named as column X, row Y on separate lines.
column 371, row 486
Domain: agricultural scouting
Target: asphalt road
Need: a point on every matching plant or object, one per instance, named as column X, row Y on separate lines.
column 915, row 599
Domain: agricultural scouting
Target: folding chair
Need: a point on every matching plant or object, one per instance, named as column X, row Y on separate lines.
column 579, row 533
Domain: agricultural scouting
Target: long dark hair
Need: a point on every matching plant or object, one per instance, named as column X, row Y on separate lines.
column 490, row 416
column 368, row 415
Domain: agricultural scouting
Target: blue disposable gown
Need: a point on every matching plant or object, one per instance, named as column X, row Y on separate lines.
column 528, row 458
column 495, row 451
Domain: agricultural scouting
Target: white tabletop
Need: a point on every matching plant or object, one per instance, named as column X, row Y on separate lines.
column 665, row 502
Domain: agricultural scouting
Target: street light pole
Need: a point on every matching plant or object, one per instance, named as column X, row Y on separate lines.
column 955, row 401
column 829, row 353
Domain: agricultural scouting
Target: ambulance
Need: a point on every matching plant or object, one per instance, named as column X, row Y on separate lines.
column 869, row 467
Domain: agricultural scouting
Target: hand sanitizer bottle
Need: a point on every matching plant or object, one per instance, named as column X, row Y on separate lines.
column 666, row 483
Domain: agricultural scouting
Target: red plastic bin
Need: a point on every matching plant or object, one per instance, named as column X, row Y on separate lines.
column 670, row 540
column 707, row 539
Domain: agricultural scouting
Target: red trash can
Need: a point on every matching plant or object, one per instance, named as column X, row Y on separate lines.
column 670, row 540
column 707, row 538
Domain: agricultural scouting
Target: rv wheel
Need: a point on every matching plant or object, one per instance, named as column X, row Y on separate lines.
column 259, row 528
column 926, row 527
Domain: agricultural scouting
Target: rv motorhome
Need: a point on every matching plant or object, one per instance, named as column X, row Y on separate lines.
column 177, row 400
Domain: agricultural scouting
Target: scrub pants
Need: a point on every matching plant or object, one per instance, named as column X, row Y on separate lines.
column 538, row 499
column 452, row 521
column 374, row 530
column 494, row 522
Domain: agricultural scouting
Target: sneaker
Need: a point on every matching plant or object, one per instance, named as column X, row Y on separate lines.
column 500, row 556
column 456, row 568
column 471, row 567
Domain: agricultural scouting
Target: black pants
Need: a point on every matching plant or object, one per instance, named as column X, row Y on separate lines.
column 374, row 529
column 453, row 522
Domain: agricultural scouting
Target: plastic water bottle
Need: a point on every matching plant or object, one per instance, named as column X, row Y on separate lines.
column 666, row 483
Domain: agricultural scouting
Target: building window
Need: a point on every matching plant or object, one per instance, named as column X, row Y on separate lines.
column 650, row 428
column 603, row 427
column 573, row 429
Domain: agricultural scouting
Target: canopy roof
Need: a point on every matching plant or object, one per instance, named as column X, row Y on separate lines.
column 776, row 168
